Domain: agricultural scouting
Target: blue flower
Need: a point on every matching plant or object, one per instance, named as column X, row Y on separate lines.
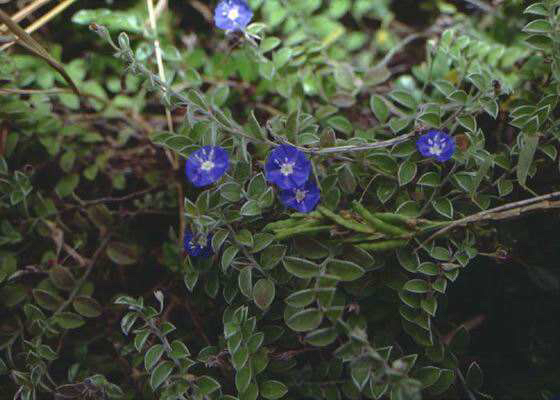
column 436, row 144
column 198, row 245
column 232, row 15
column 287, row 167
column 303, row 199
column 206, row 165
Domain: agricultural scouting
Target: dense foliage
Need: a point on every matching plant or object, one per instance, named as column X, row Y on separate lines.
column 287, row 199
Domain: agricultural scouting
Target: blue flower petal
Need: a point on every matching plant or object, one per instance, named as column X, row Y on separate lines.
column 193, row 245
column 206, row 165
column 436, row 144
column 232, row 15
column 303, row 199
column 287, row 167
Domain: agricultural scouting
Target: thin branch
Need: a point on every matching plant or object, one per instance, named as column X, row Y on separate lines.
column 43, row 20
column 203, row 9
column 483, row 6
column 509, row 210
column 81, row 281
column 25, row 11
column 25, row 39
column 363, row 147
column 129, row 196
column 161, row 71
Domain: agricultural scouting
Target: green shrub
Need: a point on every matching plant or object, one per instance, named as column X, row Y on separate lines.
column 345, row 301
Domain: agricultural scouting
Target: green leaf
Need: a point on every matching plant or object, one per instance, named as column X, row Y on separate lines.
column 430, row 179
column 245, row 281
column 404, row 98
column 282, row 56
column 272, row 255
column 47, row 300
column 255, row 341
column 122, row 253
column 228, row 256
column 444, row 207
column 262, row 241
column 341, row 124
column 250, row 208
column 301, row 268
column 344, row 76
column 305, row 320
column 468, row 122
column 244, row 237
column 273, row 390
column 231, row 191
column 379, row 108
column 263, row 293
column 218, row 238
column 527, row 151
column 69, row 320
column 344, row 270
column 444, row 382
column 198, row 99
column 490, row 106
column 3, row 367
column 430, row 119
column 179, row 350
column 240, row 357
column 321, row 337
column 537, row 9
column 46, row 352
column 360, row 373
column 160, row 374
column 62, row 278
column 270, row 43
column 87, row 306
column 301, row 298
column 538, row 26
column 398, row 124
column 417, row 286
column 66, row 185
column 114, row 20
column 474, row 376
column 152, row 356
column 407, row 172
column 140, row 339
column 243, row 378
column 267, row 69
column 430, row 305
column 251, row 393
column 207, row 385
column 428, row 375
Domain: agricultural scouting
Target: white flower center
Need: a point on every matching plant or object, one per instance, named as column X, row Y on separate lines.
column 287, row 168
column 436, row 150
column 233, row 14
column 207, row 165
column 202, row 241
column 300, row 195
column 436, row 146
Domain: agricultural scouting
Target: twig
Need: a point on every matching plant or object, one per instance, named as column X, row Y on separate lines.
column 502, row 212
column 119, row 199
column 25, row 11
column 353, row 148
column 464, row 383
column 43, row 20
column 437, row 190
column 483, row 6
column 161, row 71
column 203, row 9
column 84, row 277
column 25, row 39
